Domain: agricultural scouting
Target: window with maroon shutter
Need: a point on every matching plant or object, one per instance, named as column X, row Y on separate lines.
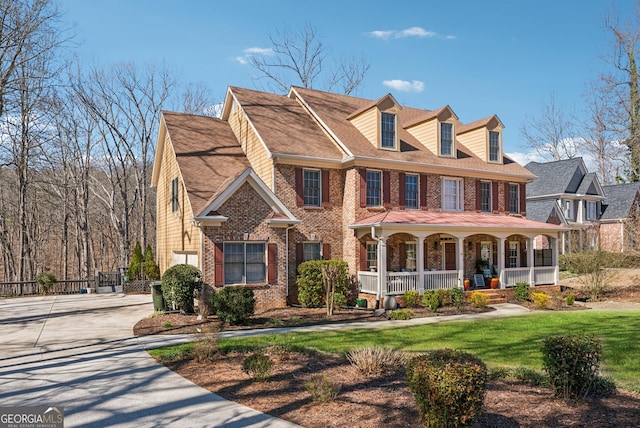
column 423, row 191
column 523, row 198
column 506, row 197
column 386, row 188
column 478, row 196
column 363, row 187
column 325, row 188
column 363, row 256
column 218, row 265
column 326, row 251
column 494, row 192
column 299, row 187
column 402, row 190
column 272, row 265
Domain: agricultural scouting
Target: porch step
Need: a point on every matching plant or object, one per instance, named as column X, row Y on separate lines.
column 495, row 296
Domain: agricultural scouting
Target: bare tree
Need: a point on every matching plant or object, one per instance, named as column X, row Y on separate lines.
column 299, row 58
column 553, row 133
column 196, row 98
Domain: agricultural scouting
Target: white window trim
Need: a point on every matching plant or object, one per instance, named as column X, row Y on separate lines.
column 264, row 261
column 417, row 176
column 490, row 183
column 453, row 140
column 319, row 187
column 594, row 207
column 489, row 146
column 517, row 210
column 395, row 132
column 312, row 242
column 517, row 243
column 415, row 260
column 375, row 243
column 460, row 188
column 381, row 188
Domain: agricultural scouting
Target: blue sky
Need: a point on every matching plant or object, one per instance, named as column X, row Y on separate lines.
column 480, row 57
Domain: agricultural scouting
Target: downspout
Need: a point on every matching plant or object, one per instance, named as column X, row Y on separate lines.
column 380, row 273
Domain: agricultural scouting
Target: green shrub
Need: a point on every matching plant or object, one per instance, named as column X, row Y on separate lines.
column 444, row 296
column 322, row 389
column 431, row 300
column 234, row 305
column 205, row 349
column 374, row 360
column 310, row 287
column 400, row 314
column 522, row 291
column 572, row 363
column 257, row 366
column 570, row 299
column 541, row 300
column 178, row 284
column 411, row 299
column 135, row 266
column 45, row 280
column 457, row 297
column 479, row 300
column 449, row 387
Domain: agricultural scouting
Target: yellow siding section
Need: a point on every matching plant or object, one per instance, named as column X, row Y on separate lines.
column 252, row 146
column 174, row 230
column 427, row 134
column 367, row 124
column 477, row 141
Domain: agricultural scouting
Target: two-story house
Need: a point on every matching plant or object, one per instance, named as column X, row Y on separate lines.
column 620, row 221
column 410, row 198
column 565, row 193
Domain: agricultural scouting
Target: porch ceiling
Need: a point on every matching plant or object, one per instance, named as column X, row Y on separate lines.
column 454, row 221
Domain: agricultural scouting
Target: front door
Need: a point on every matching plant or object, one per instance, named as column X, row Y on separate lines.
column 450, row 256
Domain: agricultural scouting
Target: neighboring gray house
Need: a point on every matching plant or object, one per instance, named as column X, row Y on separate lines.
column 566, row 194
column 619, row 222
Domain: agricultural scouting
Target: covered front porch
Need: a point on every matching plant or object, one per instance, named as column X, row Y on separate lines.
column 430, row 251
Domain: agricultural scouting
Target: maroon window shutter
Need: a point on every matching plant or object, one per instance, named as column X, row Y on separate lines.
column 363, row 256
column 401, row 190
column 299, row 253
column 478, row 195
column 423, row 191
column 506, row 197
column 218, row 257
column 386, row 188
column 402, row 252
column 363, row 188
column 299, row 187
column 326, row 251
column 272, row 267
column 325, row 188
column 494, row 195
column 523, row 199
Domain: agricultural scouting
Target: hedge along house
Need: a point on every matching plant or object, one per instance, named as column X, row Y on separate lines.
column 412, row 199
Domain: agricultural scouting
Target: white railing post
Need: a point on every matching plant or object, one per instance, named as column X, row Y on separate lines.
column 530, row 262
column 420, row 264
column 460, row 262
column 501, row 262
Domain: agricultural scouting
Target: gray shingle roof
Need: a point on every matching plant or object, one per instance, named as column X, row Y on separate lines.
column 553, row 177
column 540, row 210
column 619, row 200
column 587, row 186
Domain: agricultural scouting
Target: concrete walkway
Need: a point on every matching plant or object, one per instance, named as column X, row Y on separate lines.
column 78, row 352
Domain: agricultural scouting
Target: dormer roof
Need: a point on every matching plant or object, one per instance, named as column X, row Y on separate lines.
column 377, row 103
column 488, row 122
column 443, row 113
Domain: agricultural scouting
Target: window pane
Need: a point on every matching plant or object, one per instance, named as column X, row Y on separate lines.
column 485, row 196
column 372, row 255
column 388, row 122
column 311, row 251
column 446, row 139
column 494, row 146
column 411, row 191
column 374, row 188
column 514, row 203
column 312, row 188
column 233, row 263
column 410, row 250
column 451, row 195
column 255, row 263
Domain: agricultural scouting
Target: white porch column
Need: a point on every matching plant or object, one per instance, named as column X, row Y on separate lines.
column 460, row 261
column 530, row 261
column 501, row 261
column 555, row 260
column 382, row 268
column 420, row 263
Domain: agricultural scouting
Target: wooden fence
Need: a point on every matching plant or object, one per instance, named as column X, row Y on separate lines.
column 30, row 288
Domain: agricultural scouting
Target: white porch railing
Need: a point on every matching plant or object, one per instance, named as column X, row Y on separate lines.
column 401, row 282
column 436, row 280
column 368, row 282
column 514, row 275
column 545, row 275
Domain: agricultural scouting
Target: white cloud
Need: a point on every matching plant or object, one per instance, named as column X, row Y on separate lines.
column 242, row 59
column 259, row 51
column 404, row 85
column 407, row 32
column 525, row 158
column 214, row 110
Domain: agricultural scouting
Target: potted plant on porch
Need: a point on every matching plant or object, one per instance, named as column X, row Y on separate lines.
column 495, row 283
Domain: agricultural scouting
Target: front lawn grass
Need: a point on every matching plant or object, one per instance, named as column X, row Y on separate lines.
column 499, row 342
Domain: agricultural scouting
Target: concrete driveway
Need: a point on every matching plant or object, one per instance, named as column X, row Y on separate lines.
column 78, row 352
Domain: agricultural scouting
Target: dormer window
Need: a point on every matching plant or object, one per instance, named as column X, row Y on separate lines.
column 446, row 139
column 388, row 130
column 494, row 146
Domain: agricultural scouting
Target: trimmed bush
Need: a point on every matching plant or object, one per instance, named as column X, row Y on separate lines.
column 234, row 305
column 411, row 299
column 570, row 299
column 257, row 366
column 479, row 300
column 322, row 389
column 541, row 300
column 135, row 266
column 457, row 297
column 149, row 265
column 572, row 363
column 310, row 287
column 374, row 360
column 45, row 280
column 178, row 284
column 431, row 300
column 400, row 314
column 522, row 291
column 449, row 387
column 444, row 296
